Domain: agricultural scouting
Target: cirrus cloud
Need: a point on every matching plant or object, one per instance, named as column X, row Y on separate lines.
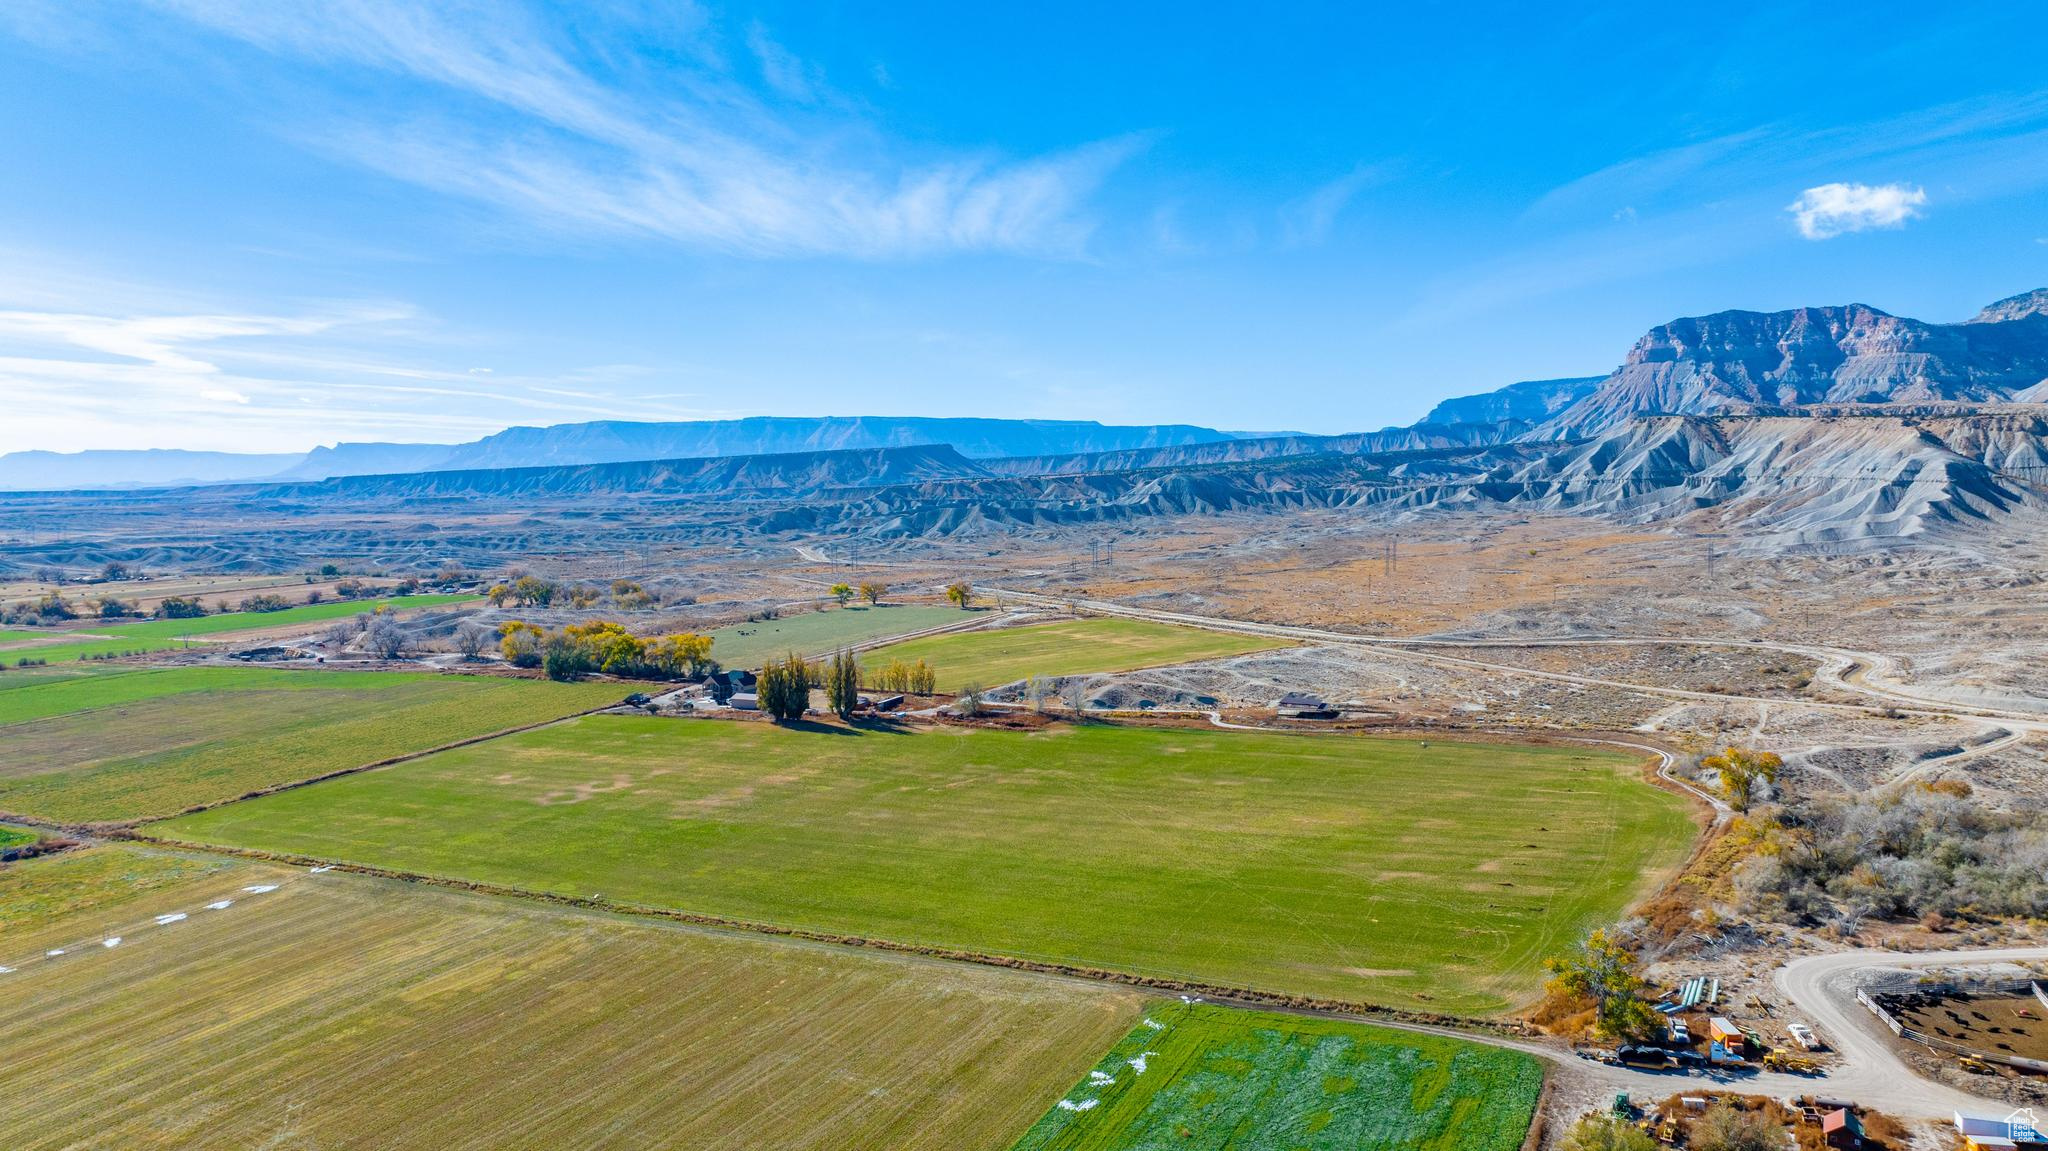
column 1831, row 209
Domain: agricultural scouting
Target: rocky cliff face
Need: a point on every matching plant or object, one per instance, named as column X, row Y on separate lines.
column 1738, row 361
column 2018, row 307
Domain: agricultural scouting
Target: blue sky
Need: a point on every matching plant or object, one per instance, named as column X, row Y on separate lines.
column 262, row 226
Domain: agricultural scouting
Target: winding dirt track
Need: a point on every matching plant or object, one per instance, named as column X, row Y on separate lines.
column 1840, row 668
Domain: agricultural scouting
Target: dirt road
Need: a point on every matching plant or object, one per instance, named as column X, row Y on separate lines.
column 1839, row 668
column 1821, row 987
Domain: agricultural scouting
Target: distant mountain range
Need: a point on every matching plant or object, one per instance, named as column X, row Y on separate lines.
column 1789, row 363
column 609, row 441
column 152, row 467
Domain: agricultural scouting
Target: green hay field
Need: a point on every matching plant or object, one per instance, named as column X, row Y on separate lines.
column 1072, row 647
column 1209, row 1078
column 750, row 645
column 1378, row 870
column 342, row 1012
column 167, row 634
column 149, row 742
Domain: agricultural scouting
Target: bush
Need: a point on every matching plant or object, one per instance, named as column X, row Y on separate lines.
column 1606, row 1133
column 564, row 660
column 264, row 603
column 180, row 607
column 1925, row 851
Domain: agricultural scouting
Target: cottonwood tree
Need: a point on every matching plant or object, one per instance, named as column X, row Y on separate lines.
column 1740, row 769
column 873, row 592
column 1724, row 1128
column 520, row 643
column 471, row 639
column 842, row 592
column 960, row 594
column 842, row 684
column 385, row 638
column 1075, row 693
column 1603, row 970
column 1037, row 689
column 969, row 701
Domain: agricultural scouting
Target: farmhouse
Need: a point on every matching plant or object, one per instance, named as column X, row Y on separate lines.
column 1302, row 705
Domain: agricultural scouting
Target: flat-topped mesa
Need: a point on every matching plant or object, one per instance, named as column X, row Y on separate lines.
column 1738, row 361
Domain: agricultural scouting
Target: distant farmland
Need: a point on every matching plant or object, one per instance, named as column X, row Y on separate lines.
column 1072, row 647
column 750, row 645
column 345, row 1012
column 146, row 742
column 1210, row 1078
column 1379, row 870
column 167, row 634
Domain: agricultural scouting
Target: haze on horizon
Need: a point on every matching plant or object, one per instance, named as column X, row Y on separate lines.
column 260, row 227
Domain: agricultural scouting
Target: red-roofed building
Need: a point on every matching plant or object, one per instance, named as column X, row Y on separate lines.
column 1841, row 1128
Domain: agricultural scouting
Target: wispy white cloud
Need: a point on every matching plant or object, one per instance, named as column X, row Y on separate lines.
column 1831, row 209
column 781, row 69
column 248, row 380
column 697, row 159
column 1308, row 220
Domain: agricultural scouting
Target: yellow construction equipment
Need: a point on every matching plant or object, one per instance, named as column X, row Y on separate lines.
column 1779, row 1059
column 1973, row 1065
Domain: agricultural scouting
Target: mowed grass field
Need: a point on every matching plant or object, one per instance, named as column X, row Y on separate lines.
column 1381, row 870
column 1070, row 647
column 1210, row 1078
column 166, row 634
column 146, row 742
column 750, row 645
column 340, row 1012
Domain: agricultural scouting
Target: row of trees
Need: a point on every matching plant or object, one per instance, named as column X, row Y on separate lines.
column 918, row 678
column 533, row 591
column 602, row 645
column 784, row 686
column 870, row 591
column 959, row 594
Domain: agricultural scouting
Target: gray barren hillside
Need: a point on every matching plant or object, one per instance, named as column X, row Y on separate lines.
column 1734, row 362
column 786, row 474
